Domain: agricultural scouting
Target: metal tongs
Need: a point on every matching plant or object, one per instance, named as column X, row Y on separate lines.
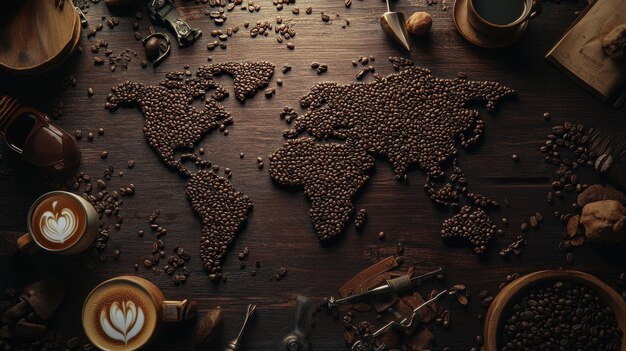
column 164, row 12
column 396, row 286
column 370, row 343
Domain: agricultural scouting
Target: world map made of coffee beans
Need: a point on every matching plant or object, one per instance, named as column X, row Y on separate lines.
column 409, row 117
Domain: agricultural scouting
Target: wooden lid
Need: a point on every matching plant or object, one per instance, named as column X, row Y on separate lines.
column 62, row 57
column 34, row 33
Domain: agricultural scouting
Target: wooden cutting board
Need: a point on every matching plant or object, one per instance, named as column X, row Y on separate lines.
column 34, row 33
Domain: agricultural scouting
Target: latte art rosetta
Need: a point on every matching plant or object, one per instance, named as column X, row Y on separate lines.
column 58, row 226
column 123, row 321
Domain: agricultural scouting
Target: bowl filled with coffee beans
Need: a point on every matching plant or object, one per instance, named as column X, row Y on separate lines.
column 556, row 310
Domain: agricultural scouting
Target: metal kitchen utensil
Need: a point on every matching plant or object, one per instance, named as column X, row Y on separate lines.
column 396, row 286
column 394, row 25
column 370, row 343
column 161, row 54
column 164, row 12
column 235, row 344
column 296, row 338
column 83, row 19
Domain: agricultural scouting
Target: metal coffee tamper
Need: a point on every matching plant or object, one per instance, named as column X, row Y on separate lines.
column 296, row 338
column 235, row 344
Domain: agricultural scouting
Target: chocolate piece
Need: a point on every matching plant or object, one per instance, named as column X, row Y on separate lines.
column 44, row 296
column 29, row 331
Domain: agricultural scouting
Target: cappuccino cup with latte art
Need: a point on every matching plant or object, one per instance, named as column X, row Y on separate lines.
column 125, row 313
column 60, row 222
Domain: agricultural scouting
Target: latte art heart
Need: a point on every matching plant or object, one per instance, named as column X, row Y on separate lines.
column 123, row 321
column 58, row 226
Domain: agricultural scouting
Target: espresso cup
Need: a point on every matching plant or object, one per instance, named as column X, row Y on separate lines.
column 125, row 313
column 501, row 18
column 60, row 222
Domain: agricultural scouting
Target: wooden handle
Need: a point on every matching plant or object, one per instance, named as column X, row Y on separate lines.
column 26, row 244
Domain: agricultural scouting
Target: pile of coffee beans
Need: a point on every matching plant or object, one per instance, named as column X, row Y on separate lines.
column 567, row 148
column 410, row 117
column 222, row 211
column 561, row 316
column 400, row 62
column 171, row 120
column 173, row 123
column 330, row 173
column 471, row 225
column 288, row 114
column 248, row 77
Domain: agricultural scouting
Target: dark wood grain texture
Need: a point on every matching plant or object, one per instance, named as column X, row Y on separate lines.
column 278, row 231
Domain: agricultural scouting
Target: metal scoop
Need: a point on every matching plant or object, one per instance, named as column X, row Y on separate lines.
column 394, row 24
column 235, row 344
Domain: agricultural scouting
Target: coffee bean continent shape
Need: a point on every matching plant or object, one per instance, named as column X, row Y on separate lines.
column 222, row 211
column 331, row 175
column 470, row 225
column 172, row 124
column 410, row 117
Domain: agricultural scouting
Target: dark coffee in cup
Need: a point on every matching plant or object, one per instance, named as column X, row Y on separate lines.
column 501, row 20
column 500, row 12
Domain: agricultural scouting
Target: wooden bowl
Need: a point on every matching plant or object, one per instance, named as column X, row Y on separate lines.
column 511, row 293
column 34, row 34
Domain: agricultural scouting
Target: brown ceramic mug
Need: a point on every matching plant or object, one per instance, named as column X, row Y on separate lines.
column 501, row 18
column 60, row 222
column 125, row 313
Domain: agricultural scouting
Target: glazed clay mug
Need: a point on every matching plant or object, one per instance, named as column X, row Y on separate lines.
column 501, row 17
column 125, row 313
column 60, row 222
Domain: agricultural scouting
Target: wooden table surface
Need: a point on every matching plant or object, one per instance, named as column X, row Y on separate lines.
column 278, row 232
